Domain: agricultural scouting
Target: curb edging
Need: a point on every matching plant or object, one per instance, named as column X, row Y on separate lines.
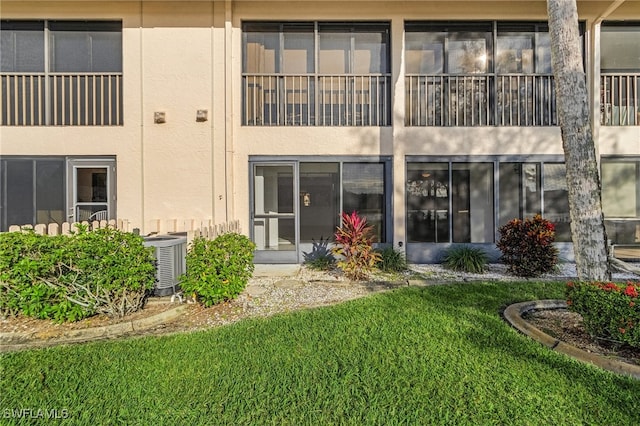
column 15, row 341
column 513, row 314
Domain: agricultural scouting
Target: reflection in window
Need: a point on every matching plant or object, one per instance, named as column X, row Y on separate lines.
column 363, row 191
column 450, row 204
column 318, row 201
column 619, row 47
column 621, row 200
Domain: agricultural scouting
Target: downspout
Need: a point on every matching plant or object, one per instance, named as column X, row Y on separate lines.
column 142, row 169
column 228, row 122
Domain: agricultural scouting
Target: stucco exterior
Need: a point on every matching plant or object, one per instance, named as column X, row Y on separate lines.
column 180, row 57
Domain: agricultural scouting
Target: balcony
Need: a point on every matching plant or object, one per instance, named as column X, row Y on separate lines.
column 60, row 99
column 480, row 100
column 619, row 99
column 313, row 100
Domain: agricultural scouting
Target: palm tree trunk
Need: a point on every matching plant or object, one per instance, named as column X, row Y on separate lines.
column 583, row 180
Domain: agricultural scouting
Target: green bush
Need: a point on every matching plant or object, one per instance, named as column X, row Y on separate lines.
column 219, row 269
column 527, row 246
column 391, row 260
column 354, row 246
column 67, row 278
column 466, row 259
column 320, row 257
column 610, row 311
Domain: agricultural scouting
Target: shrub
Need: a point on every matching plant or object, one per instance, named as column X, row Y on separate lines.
column 354, row 246
column 67, row 278
column 609, row 311
column 391, row 260
column 527, row 246
column 219, row 269
column 320, row 257
column 466, row 259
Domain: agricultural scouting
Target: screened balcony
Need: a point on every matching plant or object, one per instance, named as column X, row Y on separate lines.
column 62, row 99
column 309, row 100
column 480, row 100
column 619, row 99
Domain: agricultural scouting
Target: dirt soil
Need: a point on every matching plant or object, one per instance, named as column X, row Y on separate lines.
column 567, row 327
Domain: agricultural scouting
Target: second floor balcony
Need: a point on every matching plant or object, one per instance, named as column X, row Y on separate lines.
column 480, row 100
column 61, row 99
column 316, row 100
column 619, row 101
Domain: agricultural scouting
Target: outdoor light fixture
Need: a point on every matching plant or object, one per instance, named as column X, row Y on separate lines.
column 201, row 115
column 159, row 117
column 306, row 199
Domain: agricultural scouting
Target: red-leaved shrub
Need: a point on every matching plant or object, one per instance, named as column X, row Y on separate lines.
column 527, row 246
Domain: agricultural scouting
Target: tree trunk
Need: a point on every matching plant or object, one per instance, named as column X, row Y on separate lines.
column 583, row 180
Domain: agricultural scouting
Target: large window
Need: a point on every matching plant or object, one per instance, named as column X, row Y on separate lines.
column 465, row 202
column 478, row 74
column 307, row 74
column 321, row 201
column 32, row 191
column 620, row 73
column 621, row 199
column 61, row 73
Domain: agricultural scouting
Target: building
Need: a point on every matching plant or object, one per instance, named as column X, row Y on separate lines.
column 435, row 119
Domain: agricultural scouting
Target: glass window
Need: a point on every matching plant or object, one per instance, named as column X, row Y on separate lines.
column 472, row 202
column 32, row 191
column 424, row 52
column 353, row 48
column 363, row 191
column 428, row 202
column 298, row 54
column 514, row 53
column 50, row 191
column 334, row 54
column 319, row 200
column 469, row 52
column 556, row 199
column 619, row 47
column 22, row 46
column 85, row 46
column 621, row 200
column 450, row 205
column 328, row 82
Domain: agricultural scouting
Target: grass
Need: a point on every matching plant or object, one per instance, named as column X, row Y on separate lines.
column 435, row 355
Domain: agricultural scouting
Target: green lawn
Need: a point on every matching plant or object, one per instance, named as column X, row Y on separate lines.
column 435, row 355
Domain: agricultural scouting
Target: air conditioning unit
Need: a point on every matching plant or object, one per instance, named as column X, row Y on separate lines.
column 171, row 255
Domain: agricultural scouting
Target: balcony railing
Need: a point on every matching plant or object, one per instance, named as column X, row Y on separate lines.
column 311, row 100
column 619, row 104
column 480, row 100
column 61, row 99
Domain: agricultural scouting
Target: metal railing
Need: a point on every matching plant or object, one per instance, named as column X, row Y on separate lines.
column 620, row 95
column 61, row 99
column 312, row 100
column 480, row 100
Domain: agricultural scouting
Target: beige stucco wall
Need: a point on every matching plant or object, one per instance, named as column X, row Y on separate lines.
column 182, row 56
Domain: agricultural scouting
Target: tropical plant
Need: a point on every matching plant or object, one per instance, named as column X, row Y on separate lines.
column 391, row 260
column 320, row 257
column 354, row 247
column 466, row 259
column 527, row 246
column 610, row 311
